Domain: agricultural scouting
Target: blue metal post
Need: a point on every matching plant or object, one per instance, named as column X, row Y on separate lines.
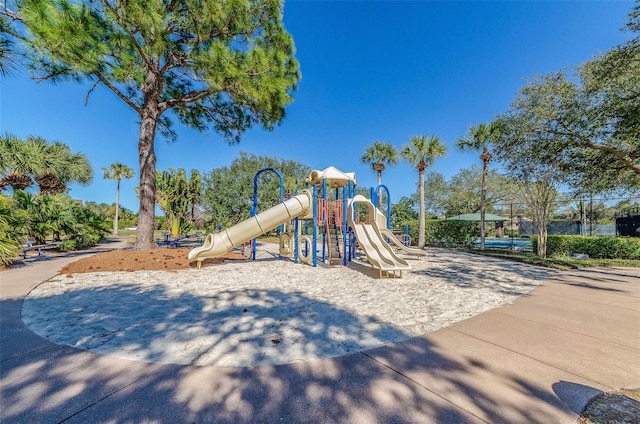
column 254, row 212
column 296, row 236
column 406, row 233
column 346, row 257
column 315, row 226
column 377, row 202
column 325, row 220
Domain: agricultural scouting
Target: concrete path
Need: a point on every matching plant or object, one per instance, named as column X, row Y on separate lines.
column 538, row 360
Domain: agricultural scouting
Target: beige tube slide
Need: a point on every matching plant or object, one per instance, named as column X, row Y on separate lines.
column 220, row 243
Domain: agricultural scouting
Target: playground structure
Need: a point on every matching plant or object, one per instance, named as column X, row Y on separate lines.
column 313, row 226
column 384, row 226
column 378, row 252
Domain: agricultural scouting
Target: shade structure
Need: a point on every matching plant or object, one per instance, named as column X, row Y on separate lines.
column 475, row 217
column 334, row 177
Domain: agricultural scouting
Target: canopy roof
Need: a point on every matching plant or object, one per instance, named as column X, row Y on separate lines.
column 488, row 217
column 334, row 177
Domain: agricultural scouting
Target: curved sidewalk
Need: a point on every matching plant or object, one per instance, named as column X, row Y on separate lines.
column 537, row 360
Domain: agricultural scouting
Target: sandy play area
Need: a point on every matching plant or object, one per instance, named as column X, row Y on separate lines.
column 155, row 307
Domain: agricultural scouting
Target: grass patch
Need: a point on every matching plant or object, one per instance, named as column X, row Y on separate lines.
column 129, row 235
column 563, row 263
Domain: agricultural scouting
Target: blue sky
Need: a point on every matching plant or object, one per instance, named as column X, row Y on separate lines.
column 370, row 71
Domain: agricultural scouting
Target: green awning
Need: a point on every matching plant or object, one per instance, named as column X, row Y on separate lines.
column 488, row 217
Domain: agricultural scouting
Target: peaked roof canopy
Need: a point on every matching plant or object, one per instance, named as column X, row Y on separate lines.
column 476, row 217
column 335, row 178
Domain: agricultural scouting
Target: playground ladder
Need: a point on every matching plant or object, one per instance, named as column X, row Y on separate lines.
column 334, row 230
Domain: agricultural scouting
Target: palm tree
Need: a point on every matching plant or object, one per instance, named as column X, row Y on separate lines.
column 51, row 164
column 480, row 138
column 422, row 152
column 15, row 165
column 55, row 166
column 379, row 154
column 117, row 171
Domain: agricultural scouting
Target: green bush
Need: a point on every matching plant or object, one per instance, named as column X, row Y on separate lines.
column 441, row 233
column 600, row 247
column 511, row 233
column 11, row 221
column 79, row 241
column 67, row 245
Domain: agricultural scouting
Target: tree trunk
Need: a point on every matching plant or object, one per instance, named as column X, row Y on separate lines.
column 379, row 169
column 421, row 226
column 115, row 218
column 542, row 241
column 146, row 152
column 483, row 202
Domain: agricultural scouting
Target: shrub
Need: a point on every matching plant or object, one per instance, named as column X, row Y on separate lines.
column 11, row 240
column 601, row 247
column 441, row 233
column 67, row 245
column 79, row 241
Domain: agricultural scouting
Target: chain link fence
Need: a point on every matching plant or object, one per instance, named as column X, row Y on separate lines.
column 582, row 216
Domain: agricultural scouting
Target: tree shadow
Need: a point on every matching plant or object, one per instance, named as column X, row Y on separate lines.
column 473, row 271
column 575, row 395
column 611, row 276
column 594, row 287
column 230, row 328
column 43, row 382
column 31, row 260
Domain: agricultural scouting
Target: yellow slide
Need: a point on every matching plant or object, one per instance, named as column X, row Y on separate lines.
column 381, row 220
column 379, row 254
column 220, row 243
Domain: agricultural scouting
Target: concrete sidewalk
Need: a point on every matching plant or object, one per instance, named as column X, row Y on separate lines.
column 538, row 360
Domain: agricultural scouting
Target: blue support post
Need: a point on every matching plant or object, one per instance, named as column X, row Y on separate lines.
column 325, row 221
column 345, row 247
column 376, row 202
column 254, row 211
column 406, row 233
column 314, row 251
column 296, row 237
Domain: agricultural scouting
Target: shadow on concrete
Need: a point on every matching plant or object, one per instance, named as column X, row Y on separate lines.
column 104, row 246
column 575, row 395
column 594, row 287
column 465, row 272
column 610, row 276
column 237, row 328
column 42, row 382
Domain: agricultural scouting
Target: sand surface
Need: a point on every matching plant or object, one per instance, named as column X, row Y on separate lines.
column 268, row 311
